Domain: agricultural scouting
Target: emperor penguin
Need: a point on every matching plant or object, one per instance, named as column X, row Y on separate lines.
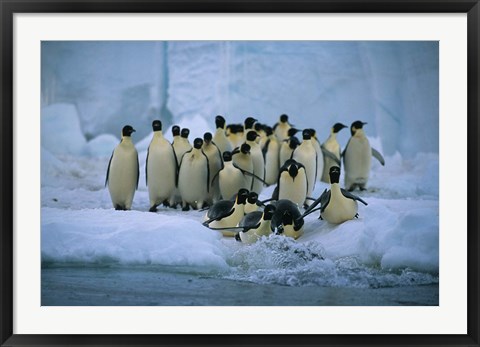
column 262, row 134
column 235, row 135
column 181, row 145
column 287, row 219
column 252, row 203
column 357, row 158
column 271, row 153
column 194, row 177
column 336, row 205
column 219, row 138
column 160, row 169
column 243, row 160
column 306, row 155
column 226, row 213
column 292, row 183
column 248, row 124
column 288, row 146
column 281, row 128
column 176, row 133
column 318, row 150
column 123, row 171
column 231, row 178
column 215, row 163
column 255, row 225
column 331, row 151
column 257, row 160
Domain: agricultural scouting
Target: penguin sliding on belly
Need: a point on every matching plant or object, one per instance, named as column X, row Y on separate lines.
column 226, row 214
column 194, row 177
column 255, row 225
column 287, row 219
column 123, row 172
column 160, row 169
column 336, row 205
column 357, row 158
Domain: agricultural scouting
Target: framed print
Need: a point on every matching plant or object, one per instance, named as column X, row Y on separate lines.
column 239, row 173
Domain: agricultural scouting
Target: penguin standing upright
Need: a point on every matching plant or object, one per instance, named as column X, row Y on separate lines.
column 160, row 169
column 176, row 134
column 235, row 134
column 123, row 171
column 257, row 160
column 318, row 150
column 336, row 205
column 331, row 152
column 271, row 152
column 292, row 183
column 219, row 138
column 262, row 134
column 305, row 154
column 357, row 158
column 215, row 165
column 242, row 159
column 288, row 146
column 230, row 178
column 194, row 177
column 281, row 128
column 181, row 145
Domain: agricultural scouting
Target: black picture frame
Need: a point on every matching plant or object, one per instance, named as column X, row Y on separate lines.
column 9, row 7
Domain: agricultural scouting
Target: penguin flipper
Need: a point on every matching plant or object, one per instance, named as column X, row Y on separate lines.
column 108, row 169
column 329, row 154
column 275, row 192
column 146, row 167
column 138, row 171
column 376, row 154
column 265, row 149
column 219, row 210
column 249, row 174
column 349, row 195
column 177, row 165
column 208, row 171
column 321, row 200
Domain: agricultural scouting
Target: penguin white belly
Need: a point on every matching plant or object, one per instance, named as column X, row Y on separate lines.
column 221, row 141
column 122, row 176
column 339, row 209
column 281, row 131
column 334, row 148
column 231, row 180
column 258, row 169
column 214, row 164
column 294, row 190
column 161, row 171
column 250, row 208
column 192, row 179
column 358, row 158
column 307, row 156
column 246, row 164
column 253, row 235
column 289, row 231
column 318, row 151
column 272, row 162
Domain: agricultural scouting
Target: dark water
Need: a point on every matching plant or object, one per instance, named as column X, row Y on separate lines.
column 68, row 285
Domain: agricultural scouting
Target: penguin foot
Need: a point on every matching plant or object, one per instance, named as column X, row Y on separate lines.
column 120, row 208
column 186, row 208
column 320, row 217
column 356, row 215
column 166, row 203
column 173, row 205
column 153, row 208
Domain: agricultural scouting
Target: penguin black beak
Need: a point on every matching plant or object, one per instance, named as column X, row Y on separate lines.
column 364, row 123
column 236, row 150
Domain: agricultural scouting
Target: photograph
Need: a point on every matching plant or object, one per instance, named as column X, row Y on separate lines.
column 239, row 173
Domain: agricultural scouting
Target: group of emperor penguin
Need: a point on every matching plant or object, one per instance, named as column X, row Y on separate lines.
column 226, row 172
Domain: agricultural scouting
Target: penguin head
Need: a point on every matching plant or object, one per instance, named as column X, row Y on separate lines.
column 219, row 122
column 127, row 130
column 157, row 125
column 268, row 212
column 249, row 121
column 284, row 118
column 207, row 137
column 242, row 196
column 252, row 135
column 245, row 148
column 337, row 127
column 259, row 127
column 293, row 170
column 293, row 143
column 292, row 131
column 252, row 198
column 268, row 130
column 306, row 134
column 227, row 156
column 313, row 132
column 355, row 126
column 197, row 143
column 185, row 133
column 176, row 130
column 334, row 174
